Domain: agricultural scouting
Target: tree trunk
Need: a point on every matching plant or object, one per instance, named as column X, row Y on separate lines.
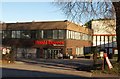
column 117, row 10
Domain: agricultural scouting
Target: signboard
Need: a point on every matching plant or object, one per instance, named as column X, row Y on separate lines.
column 49, row 42
column 108, row 61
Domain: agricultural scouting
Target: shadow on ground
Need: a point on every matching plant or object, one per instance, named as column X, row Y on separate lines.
column 65, row 65
column 9, row 72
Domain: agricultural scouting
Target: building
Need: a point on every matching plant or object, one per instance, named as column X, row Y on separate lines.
column 49, row 39
column 104, row 35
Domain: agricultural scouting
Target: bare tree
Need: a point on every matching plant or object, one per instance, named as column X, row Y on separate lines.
column 76, row 10
column 117, row 10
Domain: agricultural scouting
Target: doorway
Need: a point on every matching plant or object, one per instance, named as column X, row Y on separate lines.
column 52, row 53
column 38, row 53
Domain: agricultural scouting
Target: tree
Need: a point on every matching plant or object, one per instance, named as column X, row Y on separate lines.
column 117, row 10
column 92, row 9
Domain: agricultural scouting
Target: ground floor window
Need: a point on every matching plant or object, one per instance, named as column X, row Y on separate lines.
column 26, row 52
column 79, row 51
column 69, row 51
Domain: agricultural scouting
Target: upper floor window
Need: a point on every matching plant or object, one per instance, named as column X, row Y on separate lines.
column 25, row 34
column 0, row 33
column 55, row 34
column 33, row 34
column 49, row 34
column 61, row 34
column 39, row 34
column 6, row 34
column 15, row 34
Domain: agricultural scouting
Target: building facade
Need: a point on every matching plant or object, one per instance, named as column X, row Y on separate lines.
column 104, row 35
column 50, row 39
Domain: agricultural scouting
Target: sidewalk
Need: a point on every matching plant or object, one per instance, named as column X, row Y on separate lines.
column 81, row 64
column 65, row 65
column 45, row 70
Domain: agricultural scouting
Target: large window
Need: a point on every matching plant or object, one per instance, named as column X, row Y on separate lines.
column 0, row 33
column 25, row 34
column 78, row 35
column 69, row 51
column 58, row 34
column 55, row 34
column 61, row 34
column 49, row 34
column 6, row 34
column 67, row 34
column 33, row 34
column 39, row 34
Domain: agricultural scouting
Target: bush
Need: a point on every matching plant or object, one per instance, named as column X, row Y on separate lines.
column 115, row 70
column 88, row 56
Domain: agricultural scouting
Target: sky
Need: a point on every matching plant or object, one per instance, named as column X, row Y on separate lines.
column 30, row 11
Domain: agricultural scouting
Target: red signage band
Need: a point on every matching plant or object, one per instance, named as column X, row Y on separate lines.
column 49, row 42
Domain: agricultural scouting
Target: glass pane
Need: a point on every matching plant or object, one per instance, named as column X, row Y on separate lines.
column 13, row 34
column 25, row 34
column 61, row 34
column 49, row 34
column 39, row 34
column 17, row 34
column 55, row 34
column 33, row 34
column 6, row 34
column 67, row 35
column 45, row 34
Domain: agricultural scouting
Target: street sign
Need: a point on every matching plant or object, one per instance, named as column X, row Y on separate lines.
column 108, row 61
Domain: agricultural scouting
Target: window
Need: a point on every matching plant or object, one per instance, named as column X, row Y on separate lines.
column 13, row 34
column 33, row 34
column 61, row 34
column 110, row 39
column 39, row 34
column 25, row 34
column 81, row 36
column 106, row 41
column 49, row 34
column 73, row 35
column 55, row 34
column 45, row 34
column 69, row 51
column 67, row 35
column 77, row 51
column 6, row 34
column 0, row 33
column 17, row 34
column 114, row 38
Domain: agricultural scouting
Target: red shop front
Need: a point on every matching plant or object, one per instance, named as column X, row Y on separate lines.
column 49, row 49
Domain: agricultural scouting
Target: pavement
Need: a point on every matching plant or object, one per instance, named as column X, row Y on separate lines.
column 53, row 68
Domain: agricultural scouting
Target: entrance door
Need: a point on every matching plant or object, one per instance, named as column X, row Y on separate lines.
column 38, row 53
column 51, row 53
